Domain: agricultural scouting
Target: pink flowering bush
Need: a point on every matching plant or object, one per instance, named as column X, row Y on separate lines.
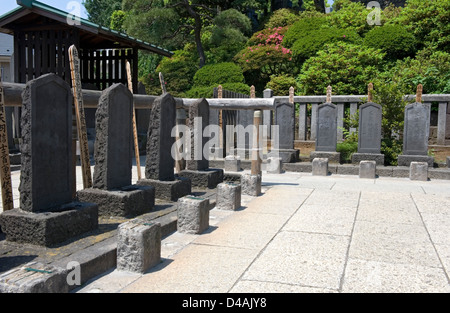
column 265, row 55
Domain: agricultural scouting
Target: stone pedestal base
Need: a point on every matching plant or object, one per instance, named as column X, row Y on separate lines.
column 228, row 196
column 138, row 246
column 274, row 165
column 193, row 215
column 358, row 157
column 367, row 169
column 52, row 227
column 251, row 185
column 333, row 157
column 286, row 155
column 203, row 179
column 405, row 160
column 169, row 190
column 418, row 171
column 232, row 163
column 320, row 167
column 128, row 201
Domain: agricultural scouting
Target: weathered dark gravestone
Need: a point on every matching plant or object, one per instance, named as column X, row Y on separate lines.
column 197, row 168
column 47, row 214
column 198, row 121
column 160, row 163
column 326, row 134
column 369, row 137
column 112, row 189
column 159, row 170
column 416, row 135
column 285, row 120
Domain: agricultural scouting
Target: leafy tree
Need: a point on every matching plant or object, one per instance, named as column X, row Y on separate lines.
column 178, row 73
column 349, row 15
column 428, row 21
column 345, row 67
column 175, row 22
column 117, row 20
column 100, row 11
column 282, row 18
column 227, row 36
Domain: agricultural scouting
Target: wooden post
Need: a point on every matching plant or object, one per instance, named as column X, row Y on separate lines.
column 135, row 134
column 256, row 157
column 80, row 118
column 221, row 143
column 329, row 91
column 5, row 170
column 419, row 93
column 163, row 83
column 369, row 94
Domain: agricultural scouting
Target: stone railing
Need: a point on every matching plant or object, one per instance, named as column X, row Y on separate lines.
column 268, row 105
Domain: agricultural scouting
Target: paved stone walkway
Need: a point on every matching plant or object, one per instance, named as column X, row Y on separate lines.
column 310, row 234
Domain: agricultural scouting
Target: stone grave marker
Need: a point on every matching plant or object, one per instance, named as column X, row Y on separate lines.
column 285, row 119
column 326, row 131
column 369, row 137
column 48, row 214
column 197, row 168
column 416, row 133
column 160, row 164
column 112, row 187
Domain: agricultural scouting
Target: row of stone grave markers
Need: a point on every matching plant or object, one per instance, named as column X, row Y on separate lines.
column 48, row 212
column 415, row 136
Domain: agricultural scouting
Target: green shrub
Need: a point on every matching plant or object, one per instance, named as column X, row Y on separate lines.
column 301, row 29
column 429, row 68
column 308, row 45
column 347, row 148
column 346, row 67
column 280, row 84
column 395, row 40
column 207, row 92
column 218, row 74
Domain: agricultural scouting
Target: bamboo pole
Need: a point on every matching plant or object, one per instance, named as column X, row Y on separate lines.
column 135, row 134
column 80, row 118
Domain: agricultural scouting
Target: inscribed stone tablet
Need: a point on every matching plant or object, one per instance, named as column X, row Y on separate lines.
column 369, row 140
column 326, row 139
column 284, row 118
column 417, row 129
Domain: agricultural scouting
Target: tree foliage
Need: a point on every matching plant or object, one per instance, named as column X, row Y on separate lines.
column 100, row 11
